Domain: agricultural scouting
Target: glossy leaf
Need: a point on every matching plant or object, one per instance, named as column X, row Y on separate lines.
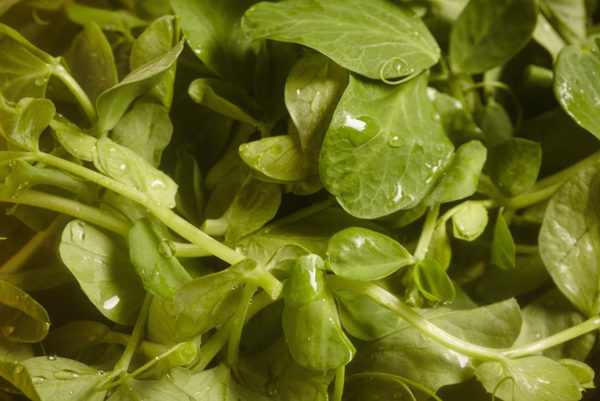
column 433, row 282
column 348, row 33
column 310, row 321
column 278, row 158
column 73, row 139
column 361, row 254
column 503, row 245
column 575, row 85
column 22, row 318
column 22, row 123
column 102, row 268
column 480, row 41
column 469, row 221
column 384, row 149
column 65, row 379
column 568, row 241
column 146, row 129
column 534, row 378
column 212, row 30
column 91, row 61
column 514, row 165
column 312, row 90
column 113, row 103
column 153, row 258
column 126, row 166
column 459, row 180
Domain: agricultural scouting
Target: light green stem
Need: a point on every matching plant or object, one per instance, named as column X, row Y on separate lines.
column 79, row 94
column 427, row 233
column 26, row 252
column 338, row 386
column 147, row 348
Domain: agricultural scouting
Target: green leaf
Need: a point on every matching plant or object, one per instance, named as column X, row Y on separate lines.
column 42, row 279
column 575, row 85
column 64, row 379
column 569, row 242
column 13, row 351
column 310, row 320
column 113, row 103
column 361, row 254
column 91, row 61
column 22, row 123
column 385, row 148
column 108, row 20
column 275, row 373
column 350, row 34
column 73, row 139
column 278, row 158
column 75, row 337
column 312, row 90
column 568, row 16
column 16, row 374
column 254, row 205
column 582, row 372
column 548, row 315
column 496, row 125
column 149, row 390
column 433, row 282
column 102, row 268
column 439, row 247
column 157, row 39
column 225, row 98
column 146, row 129
column 457, row 120
column 22, row 318
column 127, row 167
column 533, row 378
column 23, row 176
column 459, row 180
column 480, row 41
column 212, row 29
column 153, row 258
column 514, row 165
column 503, row 246
column 469, row 221
column 24, row 69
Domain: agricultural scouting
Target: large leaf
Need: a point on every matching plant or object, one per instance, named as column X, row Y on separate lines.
column 212, row 29
column 22, row 319
column 480, row 39
column 569, row 240
column 102, row 268
column 371, row 37
column 384, row 149
column 575, row 83
column 533, row 378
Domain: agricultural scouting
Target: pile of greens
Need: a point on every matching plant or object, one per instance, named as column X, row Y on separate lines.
column 303, row 200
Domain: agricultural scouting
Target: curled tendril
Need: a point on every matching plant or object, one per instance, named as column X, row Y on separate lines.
column 38, row 19
column 511, row 93
column 399, row 81
column 500, row 383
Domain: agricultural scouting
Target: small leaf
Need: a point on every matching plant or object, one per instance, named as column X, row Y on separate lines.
column 154, row 260
column 102, row 268
column 480, row 41
column 126, row 166
column 469, row 221
column 22, row 123
column 433, row 282
column 361, row 254
column 439, row 247
column 503, row 246
column 514, row 165
column 22, row 319
column 278, row 158
column 349, row 33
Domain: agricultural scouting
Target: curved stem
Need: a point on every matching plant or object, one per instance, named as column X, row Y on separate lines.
column 338, row 386
column 82, row 98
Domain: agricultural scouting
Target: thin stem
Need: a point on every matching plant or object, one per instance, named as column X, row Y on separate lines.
column 338, row 386
column 69, row 207
column 532, row 198
column 427, row 232
column 564, row 175
column 26, row 252
column 147, row 348
column 389, row 376
column 555, row 339
column 82, row 98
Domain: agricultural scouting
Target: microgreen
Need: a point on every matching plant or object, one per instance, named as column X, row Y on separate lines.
column 299, row 200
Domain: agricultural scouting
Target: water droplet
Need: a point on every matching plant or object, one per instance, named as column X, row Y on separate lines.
column 100, row 373
column 359, row 130
column 111, row 302
column 123, row 167
column 66, row 374
column 395, row 141
column 41, row 81
column 51, row 357
column 18, row 369
column 166, row 248
column 7, row 330
column 158, row 184
column 38, row 379
column 78, row 231
column 418, row 149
